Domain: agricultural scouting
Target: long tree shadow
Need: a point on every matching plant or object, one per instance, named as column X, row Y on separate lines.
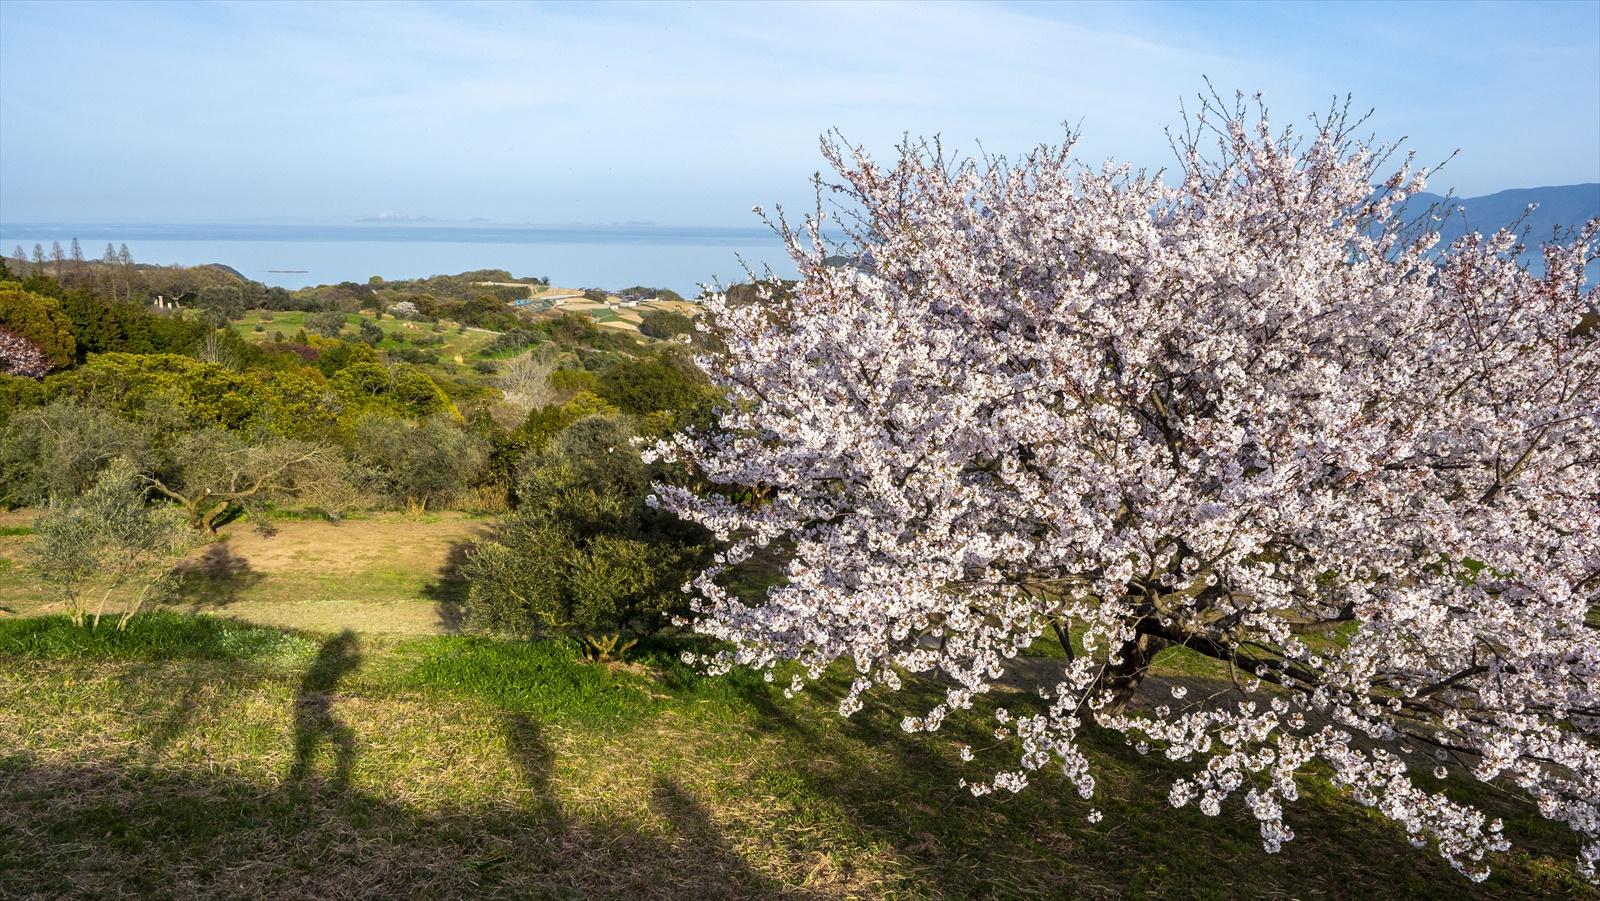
column 534, row 760
column 904, row 791
column 448, row 590
column 217, row 578
column 693, row 858
column 314, row 719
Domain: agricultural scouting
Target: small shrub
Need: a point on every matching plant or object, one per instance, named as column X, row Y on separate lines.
column 328, row 323
column 584, row 552
column 369, row 333
column 665, row 324
column 107, row 546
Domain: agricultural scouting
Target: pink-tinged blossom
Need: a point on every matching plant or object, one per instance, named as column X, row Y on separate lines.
column 19, row 356
column 1250, row 409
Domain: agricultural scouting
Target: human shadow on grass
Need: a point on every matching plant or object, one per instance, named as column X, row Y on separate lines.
column 113, row 828
column 216, row 579
column 448, row 590
column 903, row 790
column 314, row 719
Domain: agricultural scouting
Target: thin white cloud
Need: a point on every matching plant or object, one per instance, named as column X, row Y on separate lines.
column 685, row 112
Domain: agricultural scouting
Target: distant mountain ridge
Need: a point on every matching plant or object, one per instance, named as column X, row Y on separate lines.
column 1559, row 207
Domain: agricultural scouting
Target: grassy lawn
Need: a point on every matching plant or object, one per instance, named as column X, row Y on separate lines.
column 386, row 572
column 456, row 345
column 352, row 755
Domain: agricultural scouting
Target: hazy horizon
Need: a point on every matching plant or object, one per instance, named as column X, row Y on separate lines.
column 425, row 221
column 687, row 115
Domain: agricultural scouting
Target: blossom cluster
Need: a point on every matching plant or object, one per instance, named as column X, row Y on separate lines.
column 1251, row 408
column 20, row 356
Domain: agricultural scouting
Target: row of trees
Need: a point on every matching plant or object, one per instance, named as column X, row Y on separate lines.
column 61, row 259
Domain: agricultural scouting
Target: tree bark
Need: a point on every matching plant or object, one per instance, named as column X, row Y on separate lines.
column 1123, row 678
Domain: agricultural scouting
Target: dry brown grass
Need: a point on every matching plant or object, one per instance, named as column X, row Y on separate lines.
column 385, row 573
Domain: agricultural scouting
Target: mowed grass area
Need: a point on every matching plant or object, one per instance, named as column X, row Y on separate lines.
column 207, row 755
column 383, row 572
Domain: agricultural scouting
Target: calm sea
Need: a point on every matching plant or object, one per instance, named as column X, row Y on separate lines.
column 575, row 257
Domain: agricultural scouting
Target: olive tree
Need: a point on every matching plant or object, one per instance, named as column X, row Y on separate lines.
column 108, row 548
column 61, row 448
column 216, row 475
column 416, row 464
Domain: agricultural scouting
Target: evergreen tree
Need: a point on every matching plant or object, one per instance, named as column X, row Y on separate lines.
column 110, row 255
column 124, row 257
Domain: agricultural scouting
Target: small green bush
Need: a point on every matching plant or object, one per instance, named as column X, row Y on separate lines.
column 328, row 323
column 584, row 553
column 665, row 324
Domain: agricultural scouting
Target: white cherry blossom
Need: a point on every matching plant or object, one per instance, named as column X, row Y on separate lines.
column 1248, row 407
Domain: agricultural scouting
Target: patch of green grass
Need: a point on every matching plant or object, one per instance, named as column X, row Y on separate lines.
column 362, row 766
column 14, row 531
column 547, row 678
column 468, row 345
column 155, row 635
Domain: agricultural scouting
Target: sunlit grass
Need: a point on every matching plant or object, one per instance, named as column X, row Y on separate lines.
column 278, row 762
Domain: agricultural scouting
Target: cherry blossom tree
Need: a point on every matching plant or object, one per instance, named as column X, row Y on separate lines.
column 19, row 356
column 1249, row 407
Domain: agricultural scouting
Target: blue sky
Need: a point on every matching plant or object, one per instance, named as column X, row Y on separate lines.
column 690, row 114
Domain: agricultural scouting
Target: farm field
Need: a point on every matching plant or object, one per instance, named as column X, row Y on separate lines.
column 322, row 732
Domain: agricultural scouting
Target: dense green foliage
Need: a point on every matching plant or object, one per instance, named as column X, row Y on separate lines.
column 40, row 319
column 665, row 380
column 583, row 550
column 414, row 464
column 215, row 421
column 665, row 324
column 60, row 448
column 104, row 326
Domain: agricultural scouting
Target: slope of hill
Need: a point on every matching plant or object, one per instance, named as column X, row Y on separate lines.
column 1557, row 207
